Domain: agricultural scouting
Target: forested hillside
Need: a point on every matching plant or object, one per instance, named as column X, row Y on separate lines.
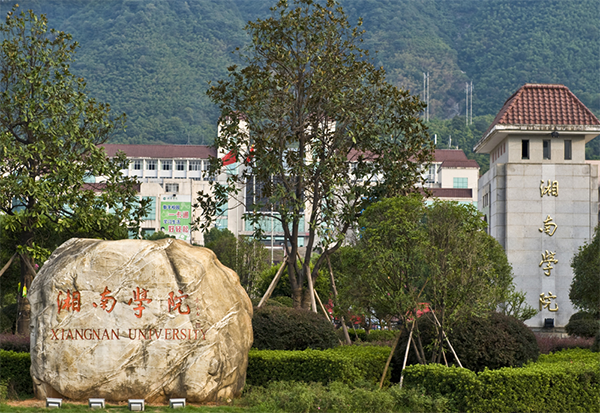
column 153, row 59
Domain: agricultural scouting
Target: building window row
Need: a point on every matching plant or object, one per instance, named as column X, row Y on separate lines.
column 167, row 165
column 547, row 149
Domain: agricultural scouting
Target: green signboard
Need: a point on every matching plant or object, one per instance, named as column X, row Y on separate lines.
column 176, row 216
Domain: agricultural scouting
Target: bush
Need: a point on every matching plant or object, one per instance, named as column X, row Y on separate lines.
column 551, row 344
column 282, row 328
column 583, row 324
column 372, row 335
column 8, row 318
column 339, row 397
column 14, row 342
column 348, row 364
column 568, row 381
column 596, row 346
column 493, row 342
column 14, row 372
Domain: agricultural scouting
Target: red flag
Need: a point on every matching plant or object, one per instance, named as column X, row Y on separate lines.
column 229, row 158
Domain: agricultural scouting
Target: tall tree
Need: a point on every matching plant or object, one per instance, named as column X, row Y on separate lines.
column 50, row 132
column 317, row 129
column 585, row 287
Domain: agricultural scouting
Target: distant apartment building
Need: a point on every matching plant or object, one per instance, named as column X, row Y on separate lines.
column 540, row 196
column 170, row 176
column 453, row 177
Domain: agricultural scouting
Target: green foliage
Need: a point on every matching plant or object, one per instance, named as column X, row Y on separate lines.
column 340, row 397
column 309, row 88
column 481, row 343
column 283, row 291
column 585, row 287
column 583, row 324
column 596, row 346
column 158, row 235
column 567, row 381
column 373, row 335
column 153, row 60
column 245, row 255
column 284, row 328
column 437, row 254
column 50, row 140
column 455, row 383
column 493, row 342
column 348, row 364
column 14, row 371
column 515, row 305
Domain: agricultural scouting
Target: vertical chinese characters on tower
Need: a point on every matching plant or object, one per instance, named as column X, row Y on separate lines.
column 548, row 188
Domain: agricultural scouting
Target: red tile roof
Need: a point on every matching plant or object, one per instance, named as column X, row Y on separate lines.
column 454, row 158
column 442, row 155
column 162, row 151
column 544, row 104
column 467, row 163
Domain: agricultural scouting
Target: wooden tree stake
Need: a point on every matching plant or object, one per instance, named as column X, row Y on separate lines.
column 272, row 285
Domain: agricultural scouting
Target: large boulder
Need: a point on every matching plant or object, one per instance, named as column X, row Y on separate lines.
column 138, row 319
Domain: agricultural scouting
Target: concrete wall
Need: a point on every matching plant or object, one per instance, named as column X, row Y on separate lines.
column 517, row 211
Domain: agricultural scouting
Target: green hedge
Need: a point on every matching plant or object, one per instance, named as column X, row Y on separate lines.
column 348, row 364
column 373, row 335
column 568, row 381
column 14, row 370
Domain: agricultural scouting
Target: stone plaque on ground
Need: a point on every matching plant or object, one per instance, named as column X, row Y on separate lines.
column 138, row 319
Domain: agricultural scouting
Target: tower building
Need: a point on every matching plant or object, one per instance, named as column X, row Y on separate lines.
column 540, row 197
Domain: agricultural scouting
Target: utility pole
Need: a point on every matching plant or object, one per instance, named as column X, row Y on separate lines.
column 469, row 103
column 426, row 95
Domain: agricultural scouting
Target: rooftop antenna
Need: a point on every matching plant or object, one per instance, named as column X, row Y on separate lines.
column 435, row 139
column 450, row 143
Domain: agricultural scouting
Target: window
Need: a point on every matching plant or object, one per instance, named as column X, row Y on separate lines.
column 166, row 165
column 151, row 215
column 431, row 175
column 525, row 149
column 180, row 165
column 460, row 182
column 568, row 150
column 172, row 188
column 546, row 148
column 194, row 165
column 151, row 165
column 137, row 164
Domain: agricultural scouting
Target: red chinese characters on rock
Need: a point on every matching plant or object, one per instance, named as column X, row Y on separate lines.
column 71, row 302
column 139, row 297
column 175, row 302
column 105, row 299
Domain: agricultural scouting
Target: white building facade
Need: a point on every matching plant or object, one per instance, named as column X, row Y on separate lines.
column 540, row 197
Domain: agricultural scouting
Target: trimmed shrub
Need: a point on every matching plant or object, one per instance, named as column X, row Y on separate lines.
column 493, row 342
column 583, row 324
column 568, row 381
column 14, row 372
column 283, row 328
column 454, row 383
column 14, row 342
column 348, row 364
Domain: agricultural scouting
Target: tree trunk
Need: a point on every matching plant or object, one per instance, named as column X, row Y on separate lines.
column 24, row 309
